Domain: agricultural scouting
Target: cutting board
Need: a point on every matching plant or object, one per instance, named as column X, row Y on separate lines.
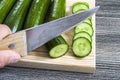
column 40, row 59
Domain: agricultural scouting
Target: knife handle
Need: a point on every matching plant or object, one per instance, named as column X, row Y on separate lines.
column 15, row 42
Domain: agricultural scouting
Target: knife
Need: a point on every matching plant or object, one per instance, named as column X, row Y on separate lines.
column 27, row 40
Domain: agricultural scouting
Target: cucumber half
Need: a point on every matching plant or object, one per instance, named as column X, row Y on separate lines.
column 58, row 50
column 81, row 47
column 83, row 34
column 79, row 5
column 84, row 27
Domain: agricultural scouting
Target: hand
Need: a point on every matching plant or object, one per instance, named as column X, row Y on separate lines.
column 7, row 56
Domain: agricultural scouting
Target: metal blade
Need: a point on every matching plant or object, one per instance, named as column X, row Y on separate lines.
column 41, row 34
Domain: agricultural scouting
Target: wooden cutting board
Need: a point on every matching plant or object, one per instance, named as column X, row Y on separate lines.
column 39, row 58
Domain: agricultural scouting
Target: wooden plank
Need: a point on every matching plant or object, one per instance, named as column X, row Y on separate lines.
column 40, row 59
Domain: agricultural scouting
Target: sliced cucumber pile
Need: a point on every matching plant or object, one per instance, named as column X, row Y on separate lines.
column 82, row 40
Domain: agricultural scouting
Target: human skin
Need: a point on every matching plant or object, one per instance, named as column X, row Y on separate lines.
column 7, row 56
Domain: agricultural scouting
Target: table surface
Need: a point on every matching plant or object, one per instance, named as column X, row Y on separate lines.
column 107, row 53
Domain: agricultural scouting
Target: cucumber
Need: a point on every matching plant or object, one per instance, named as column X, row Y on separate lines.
column 57, row 10
column 84, row 27
column 57, row 47
column 5, row 7
column 37, row 13
column 83, row 34
column 78, row 11
column 17, row 15
column 79, row 6
column 81, row 10
column 81, row 47
column 82, row 39
column 88, row 21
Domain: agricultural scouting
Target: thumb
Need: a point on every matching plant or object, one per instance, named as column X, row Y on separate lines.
column 7, row 57
column 4, row 31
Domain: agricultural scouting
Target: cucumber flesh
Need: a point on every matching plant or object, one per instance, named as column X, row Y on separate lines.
column 81, row 47
column 57, row 47
column 88, row 21
column 58, row 50
column 84, row 27
column 79, row 5
column 83, row 34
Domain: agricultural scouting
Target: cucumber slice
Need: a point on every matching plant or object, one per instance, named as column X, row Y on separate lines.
column 81, row 47
column 78, row 11
column 84, row 27
column 88, row 21
column 90, row 18
column 83, row 34
column 58, row 50
column 79, row 5
column 57, row 47
column 81, row 10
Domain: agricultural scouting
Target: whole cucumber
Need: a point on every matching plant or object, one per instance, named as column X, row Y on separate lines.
column 5, row 7
column 57, row 10
column 17, row 15
column 37, row 13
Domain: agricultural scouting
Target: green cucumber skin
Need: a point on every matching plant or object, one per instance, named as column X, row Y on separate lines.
column 17, row 15
column 54, row 42
column 5, row 7
column 37, row 13
column 57, row 10
column 84, row 55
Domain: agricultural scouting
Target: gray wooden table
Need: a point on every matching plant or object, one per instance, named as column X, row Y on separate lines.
column 108, row 52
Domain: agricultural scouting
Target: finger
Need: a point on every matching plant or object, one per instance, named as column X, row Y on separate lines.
column 4, row 31
column 8, row 57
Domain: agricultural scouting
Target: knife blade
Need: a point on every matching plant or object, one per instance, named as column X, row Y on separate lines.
column 27, row 40
column 41, row 34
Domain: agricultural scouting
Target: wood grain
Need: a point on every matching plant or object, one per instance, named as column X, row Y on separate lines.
column 17, row 42
column 40, row 59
